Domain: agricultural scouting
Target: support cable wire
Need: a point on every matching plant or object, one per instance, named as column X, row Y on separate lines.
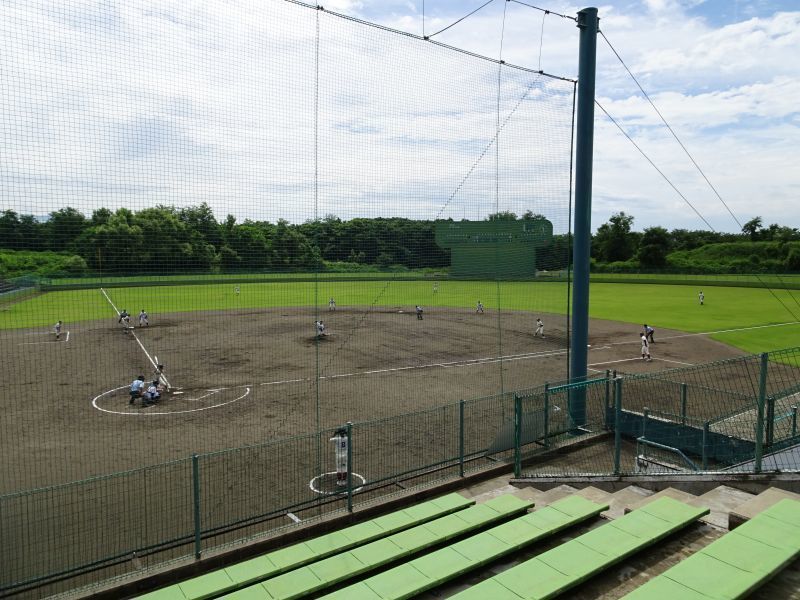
column 569, row 219
column 545, row 10
column 541, row 37
column 486, row 148
column 462, row 18
column 497, row 198
column 421, row 38
column 688, row 154
column 660, row 172
column 672, row 185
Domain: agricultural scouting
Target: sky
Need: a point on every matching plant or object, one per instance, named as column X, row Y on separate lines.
column 266, row 109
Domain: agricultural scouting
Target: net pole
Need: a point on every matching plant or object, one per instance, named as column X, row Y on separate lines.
column 588, row 25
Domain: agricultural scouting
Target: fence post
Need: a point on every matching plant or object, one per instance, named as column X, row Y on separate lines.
column 762, row 395
column 684, row 389
column 645, row 414
column 794, row 420
column 196, row 503
column 705, row 447
column 517, row 435
column 546, row 415
column 349, row 467
column 461, row 438
column 608, row 394
column 617, row 423
column 770, row 420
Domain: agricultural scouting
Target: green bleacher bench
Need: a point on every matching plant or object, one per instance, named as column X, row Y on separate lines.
column 737, row 563
column 555, row 571
column 434, row 569
column 335, row 569
column 274, row 563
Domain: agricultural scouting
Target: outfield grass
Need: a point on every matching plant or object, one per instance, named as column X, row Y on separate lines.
column 662, row 306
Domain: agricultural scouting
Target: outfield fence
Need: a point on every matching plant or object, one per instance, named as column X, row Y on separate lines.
column 728, row 416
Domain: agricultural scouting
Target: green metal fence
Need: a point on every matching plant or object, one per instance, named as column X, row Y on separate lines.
column 734, row 415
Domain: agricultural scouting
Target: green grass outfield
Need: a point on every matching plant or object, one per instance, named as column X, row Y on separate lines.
column 662, row 306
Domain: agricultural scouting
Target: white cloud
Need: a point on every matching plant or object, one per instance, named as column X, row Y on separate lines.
column 184, row 101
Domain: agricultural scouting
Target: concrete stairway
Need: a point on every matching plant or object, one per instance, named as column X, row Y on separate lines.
column 729, row 506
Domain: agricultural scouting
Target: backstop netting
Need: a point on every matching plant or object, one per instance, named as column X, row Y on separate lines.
column 307, row 220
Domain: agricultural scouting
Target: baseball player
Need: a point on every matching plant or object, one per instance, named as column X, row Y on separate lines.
column 124, row 316
column 57, row 328
column 645, row 348
column 539, row 329
column 320, row 328
column 236, row 290
column 418, row 308
column 435, row 286
column 648, row 333
column 331, row 304
column 702, row 297
column 152, row 394
column 340, row 439
column 143, row 319
column 479, row 307
column 137, row 387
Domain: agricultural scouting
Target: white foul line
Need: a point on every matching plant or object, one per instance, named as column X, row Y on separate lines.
column 611, row 362
column 683, row 335
column 150, row 358
column 445, row 365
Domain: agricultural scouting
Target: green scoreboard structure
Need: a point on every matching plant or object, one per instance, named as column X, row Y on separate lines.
column 502, row 249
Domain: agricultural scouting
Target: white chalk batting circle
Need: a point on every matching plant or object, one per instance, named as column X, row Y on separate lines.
column 313, row 484
column 173, row 412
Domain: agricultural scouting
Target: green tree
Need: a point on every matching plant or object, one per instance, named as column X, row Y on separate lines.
column 65, row 225
column 505, row 215
column 752, row 228
column 613, row 240
column 9, row 230
column 654, row 247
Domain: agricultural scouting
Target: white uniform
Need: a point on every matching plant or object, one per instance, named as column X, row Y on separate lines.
column 702, row 297
column 236, row 290
column 331, row 304
column 57, row 328
column 645, row 348
column 320, row 328
column 143, row 320
column 479, row 308
column 539, row 328
column 152, row 394
column 340, row 450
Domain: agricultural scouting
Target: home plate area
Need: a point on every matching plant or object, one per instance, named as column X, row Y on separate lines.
column 176, row 401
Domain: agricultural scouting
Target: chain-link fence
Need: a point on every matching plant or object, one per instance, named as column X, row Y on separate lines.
column 694, row 419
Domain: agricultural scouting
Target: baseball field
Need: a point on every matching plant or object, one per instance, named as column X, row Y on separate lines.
column 248, row 371
column 246, row 368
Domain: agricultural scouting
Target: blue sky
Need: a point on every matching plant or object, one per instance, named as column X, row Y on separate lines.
column 180, row 101
column 723, row 73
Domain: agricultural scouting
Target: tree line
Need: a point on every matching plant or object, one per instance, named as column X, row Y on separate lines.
column 757, row 249
column 165, row 239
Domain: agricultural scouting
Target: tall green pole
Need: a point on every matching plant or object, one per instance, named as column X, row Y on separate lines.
column 584, row 141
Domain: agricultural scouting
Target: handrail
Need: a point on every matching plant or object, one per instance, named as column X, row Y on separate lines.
column 687, row 460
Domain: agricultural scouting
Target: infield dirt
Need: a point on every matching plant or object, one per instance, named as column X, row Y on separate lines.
column 248, row 377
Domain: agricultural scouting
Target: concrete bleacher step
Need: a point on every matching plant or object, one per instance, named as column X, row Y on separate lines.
column 624, row 498
column 721, row 500
column 547, row 497
column 756, row 504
